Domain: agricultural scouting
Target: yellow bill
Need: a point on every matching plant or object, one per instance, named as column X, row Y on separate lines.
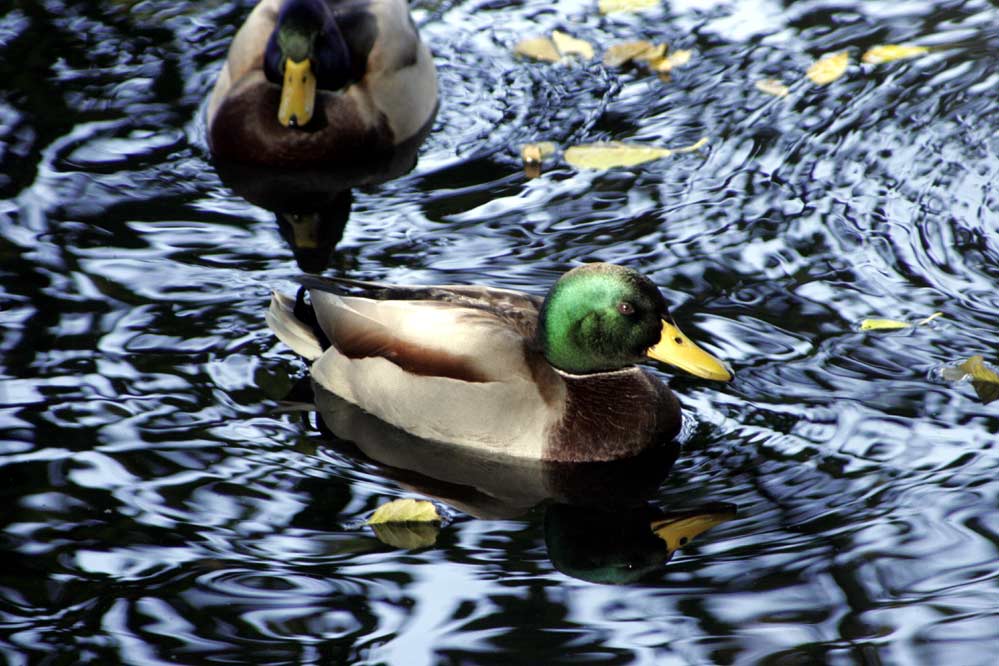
column 298, row 94
column 676, row 349
column 678, row 532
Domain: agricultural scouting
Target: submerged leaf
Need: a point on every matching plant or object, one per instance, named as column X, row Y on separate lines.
column 611, row 6
column 828, row 68
column 405, row 511
column 407, row 536
column 568, row 45
column 984, row 379
column 878, row 55
column 772, row 87
column 883, row 325
column 625, row 52
column 538, row 48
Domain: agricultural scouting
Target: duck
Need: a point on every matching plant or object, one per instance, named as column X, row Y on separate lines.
column 309, row 83
column 509, row 373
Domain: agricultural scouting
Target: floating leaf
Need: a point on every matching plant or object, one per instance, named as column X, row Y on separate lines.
column 607, row 155
column 883, row 325
column 538, row 48
column 533, row 154
column 984, row 379
column 568, row 45
column 679, row 58
column 697, row 145
column 407, row 536
column 828, row 68
column 894, row 324
column 625, row 52
column 772, row 87
column 405, row 511
column 879, row 55
column 612, row 154
column 611, row 6
column 933, row 316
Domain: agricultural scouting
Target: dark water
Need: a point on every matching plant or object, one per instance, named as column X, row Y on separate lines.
column 166, row 503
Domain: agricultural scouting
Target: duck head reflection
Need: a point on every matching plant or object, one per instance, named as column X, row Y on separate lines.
column 600, row 525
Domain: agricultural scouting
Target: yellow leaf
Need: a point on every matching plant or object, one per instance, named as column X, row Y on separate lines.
column 611, row 6
column 533, row 154
column 883, row 325
column 405, row 511
column 664, row 64
column 538, row 48
column 878, row 55
column 973, row 367
column 568, row 45
column 625, row 52
column 772, row 87
column 611, row 154
column 537, row 151
column 697, row 145
column 679, row 58
column 983, row 378
column 828, row 68
column 929, row 319
column 407, row 536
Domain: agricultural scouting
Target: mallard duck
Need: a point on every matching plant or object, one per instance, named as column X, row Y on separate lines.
column 503, row 371
column 308, row 82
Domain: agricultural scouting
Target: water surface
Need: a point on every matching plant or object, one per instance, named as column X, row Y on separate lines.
column 166, row 504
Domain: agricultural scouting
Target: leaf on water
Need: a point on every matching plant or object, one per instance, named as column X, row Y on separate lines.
column 612, row 6
column 407, row 536
column 772, row 87
column 405, row 511
column 568, row 45
column 607, row 155
column 679, row 58
column 611, row 154
column 883, row 325
column 538, row 48
column 625, row 52
column 984, row 379
column 894, row 324
column 879, row 55
column 828, row 68
column 933, row 316
column 533, row 154
column 697, row 145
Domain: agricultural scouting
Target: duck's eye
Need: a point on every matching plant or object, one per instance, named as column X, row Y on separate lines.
column 626, row 308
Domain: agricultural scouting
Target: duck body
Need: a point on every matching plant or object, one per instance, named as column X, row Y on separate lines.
column 470, row 366
column 309, row 83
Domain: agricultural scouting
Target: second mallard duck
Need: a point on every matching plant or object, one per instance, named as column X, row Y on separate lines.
column 314, row 82
column 501, row 370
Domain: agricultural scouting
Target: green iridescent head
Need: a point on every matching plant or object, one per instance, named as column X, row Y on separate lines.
column 603, row 317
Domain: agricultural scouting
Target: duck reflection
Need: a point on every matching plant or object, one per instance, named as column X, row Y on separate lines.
column 600, row 525
column 311, row 205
